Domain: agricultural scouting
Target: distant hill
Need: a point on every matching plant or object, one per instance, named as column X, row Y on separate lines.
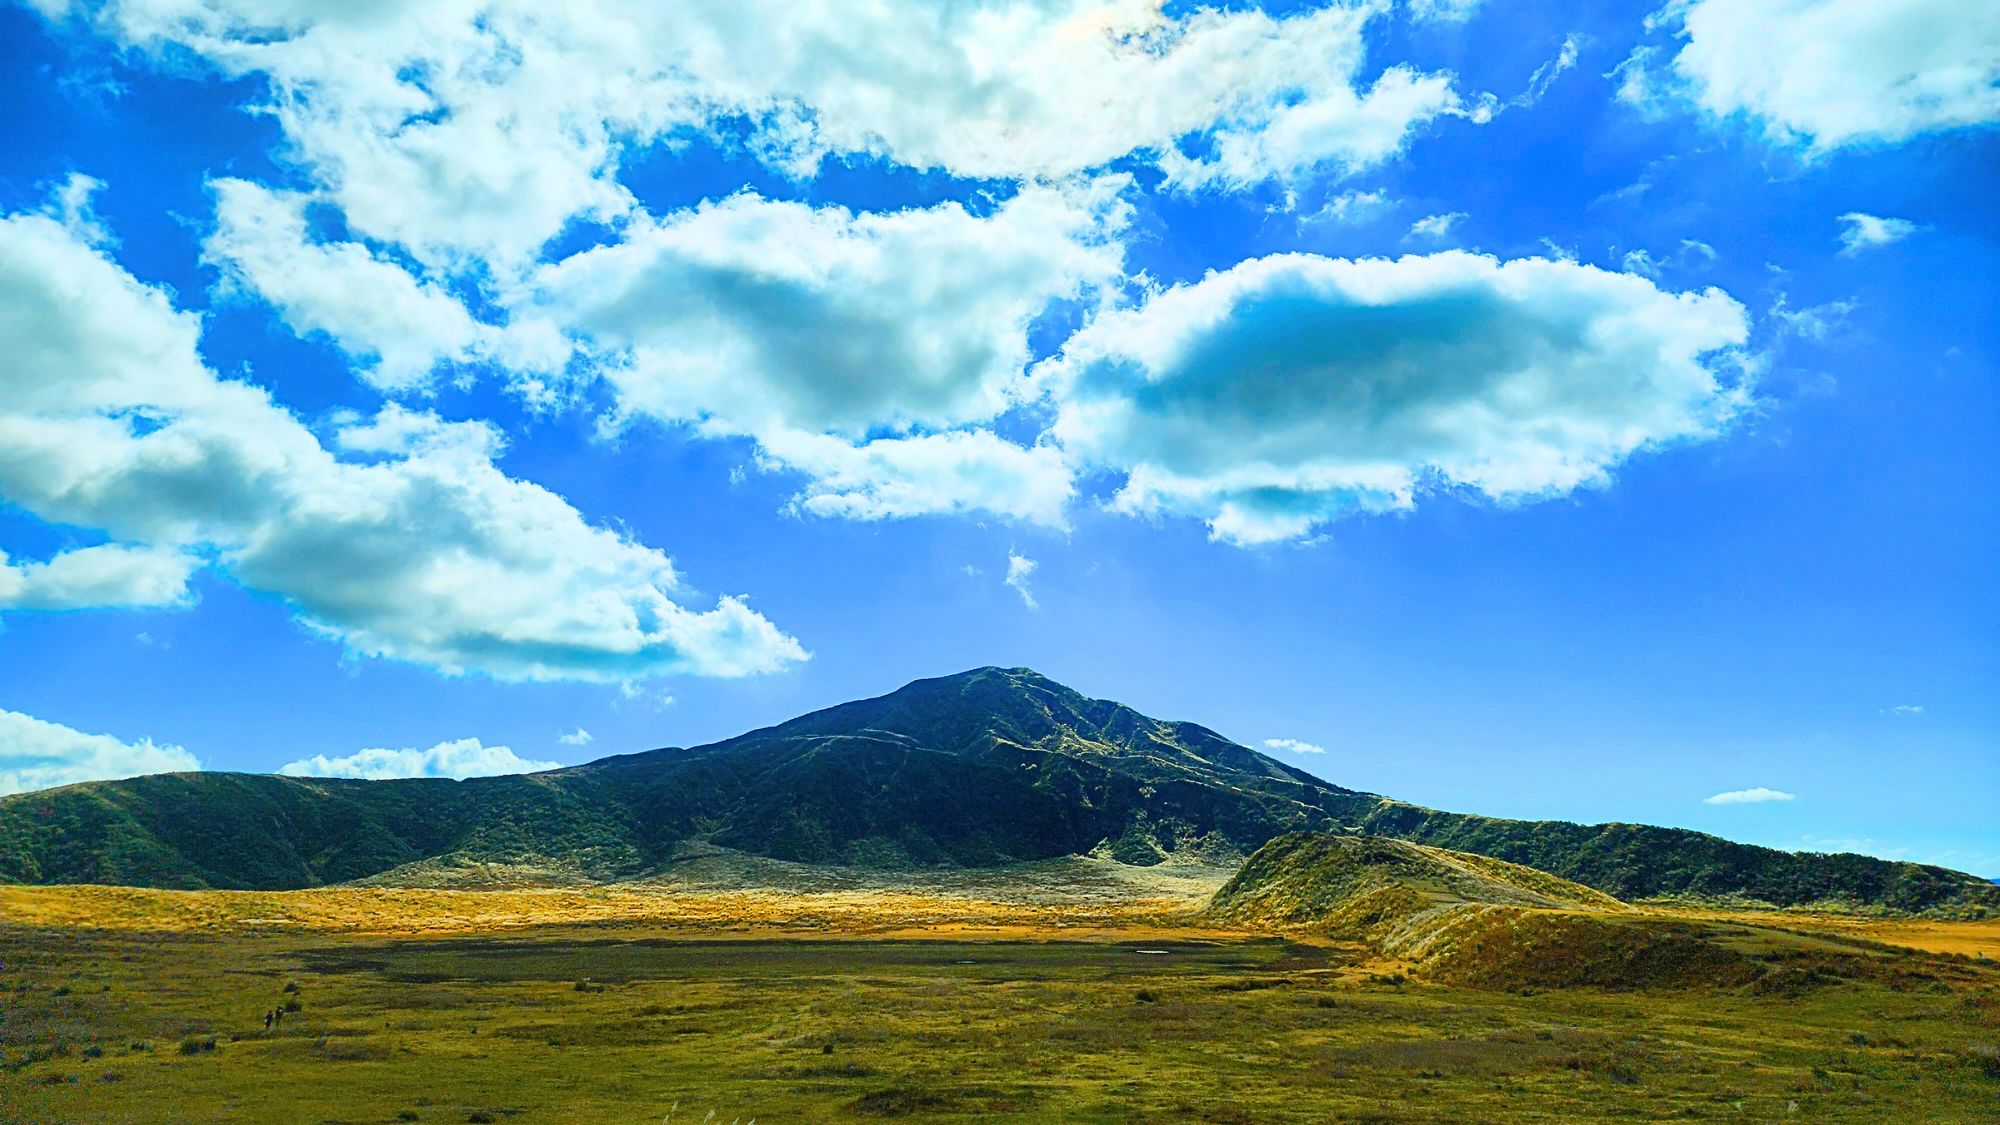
column 988, row 767
column 1473, row 920
column 1369, row 886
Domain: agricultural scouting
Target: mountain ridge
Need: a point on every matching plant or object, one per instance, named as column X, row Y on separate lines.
column 982, row 768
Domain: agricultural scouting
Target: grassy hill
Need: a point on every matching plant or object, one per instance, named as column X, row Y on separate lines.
column 1361, row 884
column 1471, row 920
column 985, row 768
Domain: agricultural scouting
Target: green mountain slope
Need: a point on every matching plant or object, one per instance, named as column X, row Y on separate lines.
column 986, row 767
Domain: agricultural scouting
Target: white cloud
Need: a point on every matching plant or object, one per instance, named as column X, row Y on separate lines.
column 69, row 203
column 1293, row 745
column 960, row 471
column 1546, row 74
column 1271, row 397
column 1814, row 322
column 1443, row 11
column 1754, row 796
column 1020, row 569
column 1435, row 226
column 397, row 431
column 482, row 129
column 461, row 758
column 811, row 329
column 109, row 420
column 1829, row 73
column 397, row 327
column 1904, row 710
column 1351, row 208
column 1641, row 262
column 112, row 576
column 867, row 352
column 577, row 737
column 750, row 314
column 35, row 754
column 1865, row 232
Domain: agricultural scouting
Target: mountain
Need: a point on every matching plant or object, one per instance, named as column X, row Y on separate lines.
column 987, row 767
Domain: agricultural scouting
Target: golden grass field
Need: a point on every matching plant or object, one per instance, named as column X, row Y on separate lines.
column 1087, row 995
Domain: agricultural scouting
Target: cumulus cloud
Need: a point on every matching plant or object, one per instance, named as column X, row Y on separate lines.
column 397, row 327
column 811, row 329
column 870, row 353
column 1271, row 397
column 1293, row 746
column 460, row 759
column 109, row 420
column 748, row 314
column 112, row 576
column 35, row 754
column 397, row 431
column 1826, row 74
column 1020, row 569
column 956, row 472
column 461, row 129
column 1755, row 796
column 577, row 737
column 1865, row 232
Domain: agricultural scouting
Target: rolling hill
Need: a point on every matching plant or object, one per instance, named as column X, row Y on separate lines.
column 987, row 767
column 1465, row 919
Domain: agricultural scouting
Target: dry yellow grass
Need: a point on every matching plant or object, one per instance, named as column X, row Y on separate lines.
column 1165, row 900
column 1071, row 994
column 1971, row 938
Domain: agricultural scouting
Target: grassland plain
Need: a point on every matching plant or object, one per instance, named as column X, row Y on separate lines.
column 1087, row 994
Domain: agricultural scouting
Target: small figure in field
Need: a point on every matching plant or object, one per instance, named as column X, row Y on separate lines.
column 267, row 1021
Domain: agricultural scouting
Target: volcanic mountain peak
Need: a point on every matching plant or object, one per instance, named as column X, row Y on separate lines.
column 987, row 767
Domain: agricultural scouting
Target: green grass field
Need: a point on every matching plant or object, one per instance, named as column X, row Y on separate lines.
column 644, row 1023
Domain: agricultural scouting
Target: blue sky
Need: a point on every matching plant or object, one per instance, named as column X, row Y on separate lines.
column 1507, row 407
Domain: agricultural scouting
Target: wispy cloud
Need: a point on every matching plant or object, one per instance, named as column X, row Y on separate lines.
column 1815, row 322
column 1293, row 745
column 1904, row 710
column 1756, row 796
column 1020, row 568
column 1546, row 74
column 1866, row 232
column 1436, row 226
column 1351, row 208
column 1986, row 864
